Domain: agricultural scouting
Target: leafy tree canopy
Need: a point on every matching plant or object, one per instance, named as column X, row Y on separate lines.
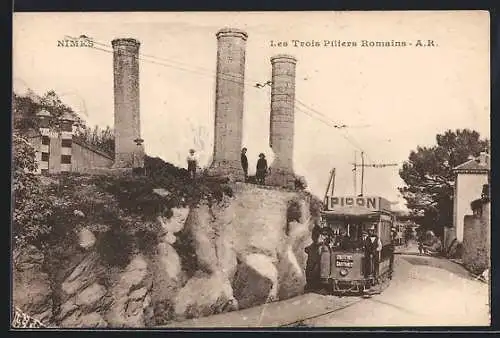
column 25, row 108
column 429, row 177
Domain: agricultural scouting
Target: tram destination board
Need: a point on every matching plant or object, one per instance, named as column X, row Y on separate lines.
column 344, row 261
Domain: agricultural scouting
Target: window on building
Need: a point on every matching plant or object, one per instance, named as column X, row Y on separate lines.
column 45, row 171
column 45, row 140
column 45, row 157
column 66, row 143
column 65, row 159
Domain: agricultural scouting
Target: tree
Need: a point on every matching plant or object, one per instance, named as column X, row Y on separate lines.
column 31, row 206
column 26, row 107
column 102, row 139
column 429, row 177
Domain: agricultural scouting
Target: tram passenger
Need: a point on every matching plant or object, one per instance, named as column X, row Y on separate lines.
column 341, row 239
column 392, row 246
column 373, row 246
column 325, row 242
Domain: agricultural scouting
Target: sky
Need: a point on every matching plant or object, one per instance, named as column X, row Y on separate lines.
column 392, row 99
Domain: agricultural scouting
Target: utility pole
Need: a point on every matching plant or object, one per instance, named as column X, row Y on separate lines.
column 362, row 171
column 355, row 174
column 372, row 165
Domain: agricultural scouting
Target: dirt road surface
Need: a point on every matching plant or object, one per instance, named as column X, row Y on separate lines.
column 425, row 291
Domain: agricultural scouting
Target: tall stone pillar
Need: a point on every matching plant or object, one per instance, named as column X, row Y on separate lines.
column 282, row 120
column 126, row 91
column 231, row 44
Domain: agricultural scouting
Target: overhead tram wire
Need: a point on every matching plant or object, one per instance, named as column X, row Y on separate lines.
column 326, row 117
column 231, row 79
column 313, row 113
column 330, row 124
column 175, row 64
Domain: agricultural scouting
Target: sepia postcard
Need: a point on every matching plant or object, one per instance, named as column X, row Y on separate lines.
column 250, row 169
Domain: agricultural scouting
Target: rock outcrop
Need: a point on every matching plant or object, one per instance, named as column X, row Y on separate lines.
column 245, row 250
column 131, row 295
column 251, row 240
column 83, row 300
column 31, row 288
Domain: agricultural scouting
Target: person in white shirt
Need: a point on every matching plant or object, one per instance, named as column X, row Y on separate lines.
column 192, row 162
column 373, row 246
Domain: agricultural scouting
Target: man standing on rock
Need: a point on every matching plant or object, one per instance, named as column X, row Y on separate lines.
column 261, row 169
column 192, row 163
column 244, row 162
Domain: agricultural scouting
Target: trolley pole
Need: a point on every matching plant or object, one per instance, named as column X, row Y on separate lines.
column 329, row 184
column 333, row 182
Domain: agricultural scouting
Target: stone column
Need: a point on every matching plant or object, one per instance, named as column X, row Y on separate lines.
column 282, row 120
column 231, row 44
column 126, row 92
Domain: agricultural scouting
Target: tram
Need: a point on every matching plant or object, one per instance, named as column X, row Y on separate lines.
column 356, row 249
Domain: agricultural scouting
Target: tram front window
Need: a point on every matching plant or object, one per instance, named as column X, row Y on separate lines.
column 349, row 237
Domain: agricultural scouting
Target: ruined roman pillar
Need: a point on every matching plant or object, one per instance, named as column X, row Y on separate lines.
column 126, row 92
column 282, row 120
column 229, row 97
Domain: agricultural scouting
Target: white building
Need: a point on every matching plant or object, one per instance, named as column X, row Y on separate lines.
column 470, row 177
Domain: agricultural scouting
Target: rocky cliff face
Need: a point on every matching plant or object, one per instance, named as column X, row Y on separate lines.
column 244, row 251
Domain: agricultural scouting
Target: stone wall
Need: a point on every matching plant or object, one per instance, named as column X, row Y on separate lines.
column 476, row 244
column 84, row 158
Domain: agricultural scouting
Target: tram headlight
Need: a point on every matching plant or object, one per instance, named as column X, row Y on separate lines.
column 344, row 272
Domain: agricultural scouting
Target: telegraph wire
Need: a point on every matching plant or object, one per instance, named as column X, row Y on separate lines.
column 256, row 85
column 180, row 65
column 330, row 124
column 347, row 137
column 176, row 67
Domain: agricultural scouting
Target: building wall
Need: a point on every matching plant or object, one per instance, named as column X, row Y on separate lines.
column 55, row 154
column 84, row 158
column 468, row 188
column 476, row 240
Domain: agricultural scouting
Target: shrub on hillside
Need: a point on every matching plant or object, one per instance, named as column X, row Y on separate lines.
column 147, row 236
column 31, row 205
column 115, row 247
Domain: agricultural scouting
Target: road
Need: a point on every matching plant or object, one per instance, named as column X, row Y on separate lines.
column 424, row 291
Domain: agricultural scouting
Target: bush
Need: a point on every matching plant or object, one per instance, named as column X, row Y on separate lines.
column 115, row 247
column 31, row 205
column 300, row 183
column 147, row 235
